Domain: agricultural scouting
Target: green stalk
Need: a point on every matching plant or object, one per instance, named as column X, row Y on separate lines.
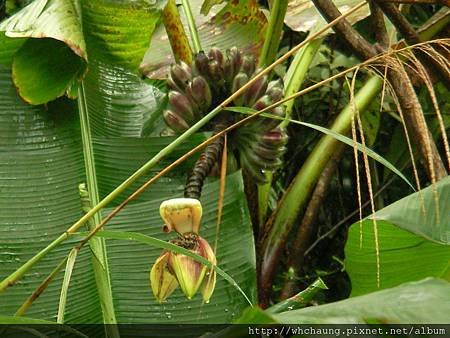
column 300, row 300
column 273, row 33
column 299, row 190
column 192, row 26
column 98, row 245
column 294, row 78
column 297, row 72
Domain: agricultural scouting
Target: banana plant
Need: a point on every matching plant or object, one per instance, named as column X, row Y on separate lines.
column 54, row 52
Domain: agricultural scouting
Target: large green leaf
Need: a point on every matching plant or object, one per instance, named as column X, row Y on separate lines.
column 45, row 44
column 426, row 301
column 41, row 165
column 240, row 23
column 421, row 251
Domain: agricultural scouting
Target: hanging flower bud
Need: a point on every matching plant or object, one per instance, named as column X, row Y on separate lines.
column 188, row 272
column 162, row 282
column 181, row 214
column 171, row 268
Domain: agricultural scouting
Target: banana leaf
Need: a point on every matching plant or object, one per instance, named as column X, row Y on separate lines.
column 413, row 242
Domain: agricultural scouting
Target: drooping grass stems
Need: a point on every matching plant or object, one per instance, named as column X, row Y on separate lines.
column 197, row 47
column 273, row 34
column 16, row 275
column 297, row 194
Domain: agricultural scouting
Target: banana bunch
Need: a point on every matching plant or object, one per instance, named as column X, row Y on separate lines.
column 196, row 89
column 262, row 152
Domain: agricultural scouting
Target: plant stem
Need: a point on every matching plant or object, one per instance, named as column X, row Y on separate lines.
column 176, row 33
column 98, row 245
column 297, row 72
column 192, row 26
column 16, row 275
column 294, row 199
column 273, row 33
column 300, row 300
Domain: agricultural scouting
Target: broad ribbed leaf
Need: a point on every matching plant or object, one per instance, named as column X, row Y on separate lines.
column 120, row 30
column 241, row 24
column 51, row 62
column 117, row 35
column 421, row 251
column 41, row 166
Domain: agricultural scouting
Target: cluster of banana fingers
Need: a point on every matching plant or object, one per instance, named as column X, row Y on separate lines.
column 196, row 89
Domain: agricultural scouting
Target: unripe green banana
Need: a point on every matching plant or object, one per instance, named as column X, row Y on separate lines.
column 268, row 153
column 255, row 91
column 175, row 122
column 239, row 81
column 276, row 138
column 255, row 172
column 259, row 162
column 260, row 143
column 248, row 65
column 275, row 90
column 200, row 91
column 180, row 74
column 216, row 55
column 235, row 57
column 180, row 105
column 201, row 64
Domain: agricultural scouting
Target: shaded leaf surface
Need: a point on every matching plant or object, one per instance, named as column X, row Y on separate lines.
column 404, row 255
